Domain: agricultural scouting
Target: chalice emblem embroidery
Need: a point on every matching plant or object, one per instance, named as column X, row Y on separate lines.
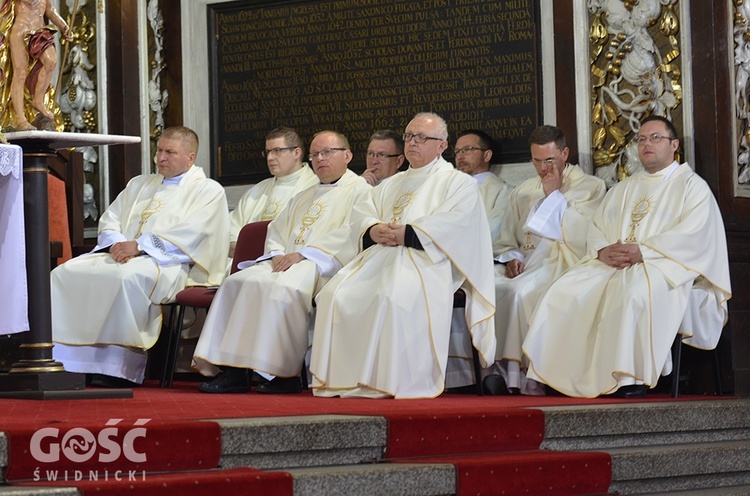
column 271, row 210
column 312, row 214
column 401, row 203
column 154, row 206
column 528, row 245
column 640, row 211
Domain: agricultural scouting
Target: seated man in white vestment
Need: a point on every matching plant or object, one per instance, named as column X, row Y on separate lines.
column 543, row 235
column 264, row 201
column 259, row 317
column 383, row 321
column 163, row 232
column 473, row 153
column 385, row 156
column 607, row 325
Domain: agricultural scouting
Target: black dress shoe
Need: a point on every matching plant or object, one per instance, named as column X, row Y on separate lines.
column 258, row 379
column 494, row 385
column 108, row 381
column 231, row 380
column 281, row 385
column 633, row 391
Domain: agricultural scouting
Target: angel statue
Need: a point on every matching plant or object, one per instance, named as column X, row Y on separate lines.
column 28, row 58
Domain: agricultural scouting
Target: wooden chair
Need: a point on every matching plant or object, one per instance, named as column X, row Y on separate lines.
column 250, row 244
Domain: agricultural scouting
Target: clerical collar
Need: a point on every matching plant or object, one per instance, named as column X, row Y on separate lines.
column 291, row 177
column 666, row 171
column 425, row 169
column 173, row 181
column 334, row 183
column 482, row 176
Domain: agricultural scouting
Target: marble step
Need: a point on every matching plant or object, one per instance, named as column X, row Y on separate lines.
column 380, row 479
column 38, row 491
column 644, row 469
column 599, row 427
column 305, row 441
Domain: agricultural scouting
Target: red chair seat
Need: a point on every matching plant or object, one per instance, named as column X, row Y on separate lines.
column 196, row 296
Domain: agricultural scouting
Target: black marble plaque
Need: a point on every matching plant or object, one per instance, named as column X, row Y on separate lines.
column 356, row 66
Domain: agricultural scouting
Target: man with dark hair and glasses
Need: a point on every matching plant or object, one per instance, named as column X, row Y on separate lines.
column 656, row 265
column 543, row 234
column 473, row 153
column 383, row 322
column 259, row 318
column 284, row 152
column 385, row 156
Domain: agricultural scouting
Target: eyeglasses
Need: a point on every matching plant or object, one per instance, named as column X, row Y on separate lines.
column 276, row 151
column 419, row 138
column 467, row 149
column 381, row 155
column 654, row 138
column 324, row 153
column 549, row 162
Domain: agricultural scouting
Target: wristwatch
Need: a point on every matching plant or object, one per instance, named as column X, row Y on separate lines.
column 140, row 249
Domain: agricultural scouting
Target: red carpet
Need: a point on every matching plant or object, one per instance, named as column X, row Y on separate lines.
column 456, row 429
column 431, row 434
column 184, row 402
column 531, row 472
column 153, row 446
column 237, row 481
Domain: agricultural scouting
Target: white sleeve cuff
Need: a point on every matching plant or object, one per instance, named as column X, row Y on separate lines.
column 327, row 264
column 545, row 219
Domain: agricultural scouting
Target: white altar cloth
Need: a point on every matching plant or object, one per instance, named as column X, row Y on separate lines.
column 13, row 289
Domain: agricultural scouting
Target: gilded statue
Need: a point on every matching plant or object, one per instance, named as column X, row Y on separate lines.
column 28, row 58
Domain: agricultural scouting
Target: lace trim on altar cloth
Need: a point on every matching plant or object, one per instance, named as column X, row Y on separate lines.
column 10, row 160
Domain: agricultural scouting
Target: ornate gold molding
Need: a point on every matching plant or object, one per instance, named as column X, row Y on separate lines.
column 635, row 72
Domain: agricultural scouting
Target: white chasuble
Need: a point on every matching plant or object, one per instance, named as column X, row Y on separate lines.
column 97, row 301
column 268, row 198
column 259, row 318
column 545, row 258
column 598, row 328
column 383, row 322
column 495, row 193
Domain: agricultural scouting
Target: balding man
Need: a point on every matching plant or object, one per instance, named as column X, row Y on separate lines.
column 163, row 232
column 383, row 322
column 259, row 318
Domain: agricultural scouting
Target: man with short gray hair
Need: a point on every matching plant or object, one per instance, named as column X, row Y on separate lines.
column 383, row 322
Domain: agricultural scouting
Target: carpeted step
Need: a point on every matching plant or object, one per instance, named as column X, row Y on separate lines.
column 141, row 445
column 599, row 427
column 381, row 479
column 205, row 483
column 315, row 440
column 529, row 472
column 429, row 434
column 641, row 470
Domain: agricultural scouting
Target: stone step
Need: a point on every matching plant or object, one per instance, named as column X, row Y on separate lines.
column 38, row 491
column 380, row 479
column 648, row 469
column 721, row 491
column 599, row 427
column 305, row 441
